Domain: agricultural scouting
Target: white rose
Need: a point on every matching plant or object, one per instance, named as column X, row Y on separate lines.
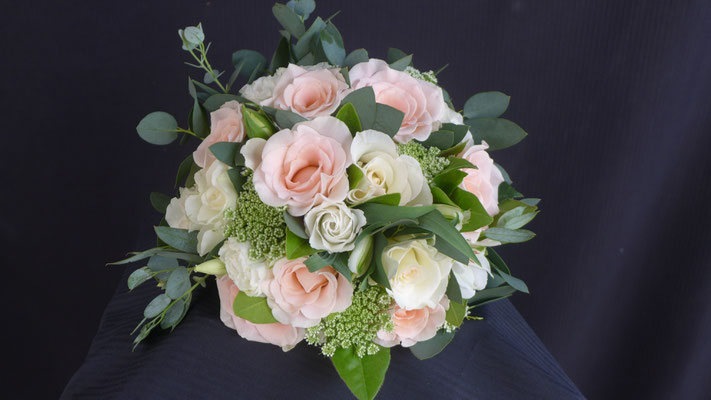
column 175, row 214
column 246, row 273
column 418, row 273
column 386, row 172
column 332, row 226
column 214, row 194
column 472, row 277
column 262, row 88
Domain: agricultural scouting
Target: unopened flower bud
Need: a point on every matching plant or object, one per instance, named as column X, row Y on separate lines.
column 212, row 267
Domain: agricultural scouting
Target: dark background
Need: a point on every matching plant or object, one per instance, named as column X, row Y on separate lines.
column 615, row 96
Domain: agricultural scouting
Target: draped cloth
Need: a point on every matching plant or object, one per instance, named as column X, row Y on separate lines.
column 499, row 357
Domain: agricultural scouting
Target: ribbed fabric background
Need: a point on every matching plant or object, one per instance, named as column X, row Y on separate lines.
column 614, row 94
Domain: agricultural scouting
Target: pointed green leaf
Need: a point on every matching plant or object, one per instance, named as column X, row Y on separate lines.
column 498, row 133
column 179, row 239
column 486, row 105
column 349, row 116
column 253, row 309
column 138, row 276
column 159, row 128
column 430, row 348
column 364, row 376
column 156, row 306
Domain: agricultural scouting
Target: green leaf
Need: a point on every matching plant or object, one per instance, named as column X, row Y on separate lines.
column 496, row 260
column 488, row 295
column 237, row 179
column 289, row 20
column 302, row 7
column 381, row 214
column 363, row 100
column 486, row 105
column 395, row 54
column 156, row 306
column 387, row 119
column 137, row 256
column 439, row 197
column 430, row 348
column 250, row 62
column 161, row 263
column 228, row 153
column 364, row 376
column 216, row 101
column 303, row 45
column 531, row 201
column 339, row 261
column 332, row 44
column 158, row 127
column 178, row 283
column 138, row 276
column 184, row 169
column 402, row 63
column 355, row 57
column 456, row 163
column 448, row 181
column 478, row 216
column 506, row 191
column 253, row 309
column 199, row 120
column 515, row 218
column 504, row 235
column 456, row 313
column 454, row 293
column 436, row 223
column 179, row 239
column 282, row 55
column 159, row 201
column 297, row 247
column 453, row 151
column 390, row 199
column 442, row 139
column 287, row 119
column 348, row 114
column 498, row 133
column 173, row 314
column 514, row 282
column 295, row 225
column 459, row 130
column 355, row 175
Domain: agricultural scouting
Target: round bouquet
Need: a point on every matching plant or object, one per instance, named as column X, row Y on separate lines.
column 337, row 199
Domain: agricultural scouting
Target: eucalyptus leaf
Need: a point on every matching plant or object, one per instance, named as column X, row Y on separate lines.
column 387, row 119
column 161, row 263
column 138, row 276
column 348, row 114
column 156, row 306
column 237, row 179
column 184, row 169
column 332, row 44
column 402, row 63
column 395, row 54
column 282, row 55
column 173, row 315
column 363, row 100
column 430, row 348
column 498, row 133
column 295, row 225
column 488, row 295
column 287, row 119
column 486, row 105
column 137, row 256
column 215, row 101
column 515, row 218
column 506, row 191
column 302, row 7
column 363, row 375
column 200, row 120
column 303, row 45
column 253, row 309
column 159, row 201
column 289, row 20
column 178, row 283
column 158, row 127
column 504, row 235
column 355, row 57
column 228, row 153
column 442, row 139
column 179, row 239
column 252, row 63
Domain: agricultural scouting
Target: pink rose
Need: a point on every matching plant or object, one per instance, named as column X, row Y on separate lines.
column 302, row 166
column 225, row 126
column 308, row 91
column 412, row 326
column 285, row 336
column 301, row 298
column 421, row 101
column 484, row 181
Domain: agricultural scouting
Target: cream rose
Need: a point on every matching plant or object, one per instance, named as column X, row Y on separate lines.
column 175, row 214
column 214, row 194
column 418, row 273
column 301, row 298
column 421, row 101
column 333, row 226
column 484, row 181
column 262, row 89
column 412, row 326
column 303, row 166
column 284, row 336
column 386, row 172
column 246, row 273
column 310, row 92
column 472, row 277
column 226, row 125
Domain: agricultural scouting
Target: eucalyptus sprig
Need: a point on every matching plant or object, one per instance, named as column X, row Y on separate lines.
column 193, row 39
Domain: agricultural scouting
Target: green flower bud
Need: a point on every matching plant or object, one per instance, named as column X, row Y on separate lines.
column 452, row 213
column 360, row 257
column 212, row 267
column 257, row 124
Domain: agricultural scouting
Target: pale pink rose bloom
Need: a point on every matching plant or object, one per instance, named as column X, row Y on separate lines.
column 412, row 326
column 226, row 125
column 484, row 181
column 302, row 166
column 421, row 101
column 301, row 298
column 309, row 92
column 285, row 336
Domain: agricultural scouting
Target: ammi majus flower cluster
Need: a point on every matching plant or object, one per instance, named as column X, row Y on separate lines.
column 337, row 199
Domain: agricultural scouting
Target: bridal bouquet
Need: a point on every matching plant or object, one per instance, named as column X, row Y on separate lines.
column 336, row 199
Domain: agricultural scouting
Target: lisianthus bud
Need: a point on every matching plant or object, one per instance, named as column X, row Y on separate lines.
column 360, row 257
column 212, row 267
column 256, row 124
column 452, row 213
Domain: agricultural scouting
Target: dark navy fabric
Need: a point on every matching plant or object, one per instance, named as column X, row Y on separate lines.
column 496, row 358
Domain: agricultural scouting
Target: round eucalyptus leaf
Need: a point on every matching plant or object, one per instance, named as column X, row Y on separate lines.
column 194, row 34
column 156, row 306
column 158, row 127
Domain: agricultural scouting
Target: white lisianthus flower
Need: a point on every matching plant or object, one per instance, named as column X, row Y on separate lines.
column 332, row 226
column 472, row 277
column 214, row 194
column 246, row 273
column 385, row 171
column 418, row 273
column 262, row 88
column 175, row 214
